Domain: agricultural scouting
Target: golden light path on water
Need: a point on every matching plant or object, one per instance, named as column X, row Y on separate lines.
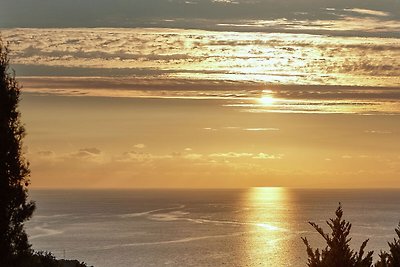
column 268, row 222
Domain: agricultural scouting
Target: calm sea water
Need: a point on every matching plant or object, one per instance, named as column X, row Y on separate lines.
column 243, row 227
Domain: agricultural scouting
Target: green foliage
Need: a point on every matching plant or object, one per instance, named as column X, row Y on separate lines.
column 391, row 259
column 15, row 208
column 337, row 253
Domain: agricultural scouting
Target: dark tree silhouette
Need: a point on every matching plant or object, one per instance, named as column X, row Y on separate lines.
column 15, row 208
column 337, row 253
column 391, row 259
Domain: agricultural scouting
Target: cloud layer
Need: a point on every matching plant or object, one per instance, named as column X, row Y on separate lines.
column 252, row 15
column 95, row 168
column 203, row 55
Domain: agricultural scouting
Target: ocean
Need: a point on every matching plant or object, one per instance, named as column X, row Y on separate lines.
column 207, row 227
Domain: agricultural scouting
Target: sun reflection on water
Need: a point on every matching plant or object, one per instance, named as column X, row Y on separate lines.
column 268, row 221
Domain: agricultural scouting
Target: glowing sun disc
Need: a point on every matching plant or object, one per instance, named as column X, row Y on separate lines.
column 267, row 100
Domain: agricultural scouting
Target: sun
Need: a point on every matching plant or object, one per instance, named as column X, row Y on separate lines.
column 267, row 99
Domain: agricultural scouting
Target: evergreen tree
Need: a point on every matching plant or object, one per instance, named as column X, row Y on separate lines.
column 391, row 259
column 15, row 208
column 337, row 253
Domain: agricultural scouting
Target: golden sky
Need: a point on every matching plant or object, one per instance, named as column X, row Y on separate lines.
column 209, row 93
column 107, row 142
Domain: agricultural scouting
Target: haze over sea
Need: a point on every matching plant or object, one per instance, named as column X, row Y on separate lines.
column 232, row 227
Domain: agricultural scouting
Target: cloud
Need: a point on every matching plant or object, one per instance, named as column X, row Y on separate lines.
column 230, row 155
column 267, row 156
column 261, row 129
column 175, row 63
column 139, row 146
column 377, row 131
column 193, row 156
column 233, row 128
column 369, row 12
column 147, row 59
column 82, row 155
column 225, row 1
column 288, row 98
column 187, row 14
column 187, row 169
column 89, row 154
column 46, row 153
column 91, row 151
column 94, row 154
column 343, row 25
column 141, row 157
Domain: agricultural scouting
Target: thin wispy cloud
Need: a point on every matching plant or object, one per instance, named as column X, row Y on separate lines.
column 261, row 129
column 369, row 12
column 267, row 156
column 131, row 167
column 144, row 159
column 230, row 155
column 237, row 95
column 225, row 1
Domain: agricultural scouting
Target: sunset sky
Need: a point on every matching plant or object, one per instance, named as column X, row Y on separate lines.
column 208, row 93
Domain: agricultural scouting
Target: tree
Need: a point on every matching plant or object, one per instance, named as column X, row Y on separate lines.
column 15, row 208
column 391, row 259
column 337, row 253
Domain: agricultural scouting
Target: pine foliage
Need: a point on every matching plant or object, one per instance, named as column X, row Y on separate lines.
column 15, row 208
column 337, row 253
column 391, row 259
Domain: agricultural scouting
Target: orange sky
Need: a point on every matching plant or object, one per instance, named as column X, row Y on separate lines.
column 103, row 142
